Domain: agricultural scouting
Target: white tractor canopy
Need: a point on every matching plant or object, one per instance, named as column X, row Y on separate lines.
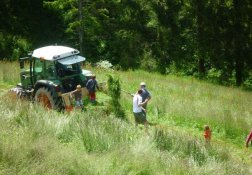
column 53, row 53
column 71, row 60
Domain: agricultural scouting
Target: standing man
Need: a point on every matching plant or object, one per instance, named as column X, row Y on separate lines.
column 91, row 87
column 146, row 96
column 139, row 115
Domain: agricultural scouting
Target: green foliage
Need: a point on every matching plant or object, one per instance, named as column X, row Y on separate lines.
column 114, row 87
column 21, row 48
column 5, row 42
column 214, row 75
column 13, row 47
column 114, row 91
column 248, row 82
column 147, row 62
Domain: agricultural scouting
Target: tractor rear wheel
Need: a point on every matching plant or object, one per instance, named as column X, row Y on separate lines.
column 46, row 97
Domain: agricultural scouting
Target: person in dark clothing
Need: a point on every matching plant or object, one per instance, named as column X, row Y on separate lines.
column 91, row 87
column 146, row 96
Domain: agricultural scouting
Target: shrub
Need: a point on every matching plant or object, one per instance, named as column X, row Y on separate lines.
column 148, row 62
column 104, row 64
column 248, row 82
column 114, row 91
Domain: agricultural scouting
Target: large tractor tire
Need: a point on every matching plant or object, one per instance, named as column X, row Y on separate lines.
column 47, row 98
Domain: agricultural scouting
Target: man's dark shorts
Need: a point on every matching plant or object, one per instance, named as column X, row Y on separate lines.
column 140, row 117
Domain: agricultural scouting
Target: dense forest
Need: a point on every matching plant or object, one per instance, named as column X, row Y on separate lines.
column 208, row 39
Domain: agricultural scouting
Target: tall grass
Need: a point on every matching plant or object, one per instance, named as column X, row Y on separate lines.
column 37, row 141
column 9, row 72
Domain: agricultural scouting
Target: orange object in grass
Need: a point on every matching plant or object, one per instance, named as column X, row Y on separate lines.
column 207, row 132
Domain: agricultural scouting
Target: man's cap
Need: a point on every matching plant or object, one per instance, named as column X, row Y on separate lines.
column 142, row 84
column 78, row 86
column 93, row 75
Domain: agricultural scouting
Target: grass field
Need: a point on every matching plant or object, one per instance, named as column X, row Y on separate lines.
column 37, row 141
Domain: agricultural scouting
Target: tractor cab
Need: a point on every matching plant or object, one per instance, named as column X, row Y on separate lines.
column 58, row 64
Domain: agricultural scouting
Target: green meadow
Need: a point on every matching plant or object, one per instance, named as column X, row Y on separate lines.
column 34, row 140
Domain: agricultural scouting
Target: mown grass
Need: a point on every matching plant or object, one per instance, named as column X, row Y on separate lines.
column 37, row 141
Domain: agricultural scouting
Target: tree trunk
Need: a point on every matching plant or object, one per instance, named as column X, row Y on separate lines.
column 201, row 67
column 238, row 43
column 239, row 66
column 80, row 27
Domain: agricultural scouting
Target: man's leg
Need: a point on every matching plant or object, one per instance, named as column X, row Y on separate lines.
column 93, row 97
column 145, row 114
column 145, row 122
column 77, row 104
column 138, row 118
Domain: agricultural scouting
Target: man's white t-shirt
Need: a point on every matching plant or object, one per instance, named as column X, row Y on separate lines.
column 137, row 99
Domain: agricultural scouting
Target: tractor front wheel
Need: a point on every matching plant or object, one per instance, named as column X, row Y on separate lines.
column 46, row 97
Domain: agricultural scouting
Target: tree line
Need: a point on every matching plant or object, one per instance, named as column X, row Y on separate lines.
column 208, row 39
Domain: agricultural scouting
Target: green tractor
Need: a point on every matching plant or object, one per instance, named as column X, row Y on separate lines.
column 50, row 72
